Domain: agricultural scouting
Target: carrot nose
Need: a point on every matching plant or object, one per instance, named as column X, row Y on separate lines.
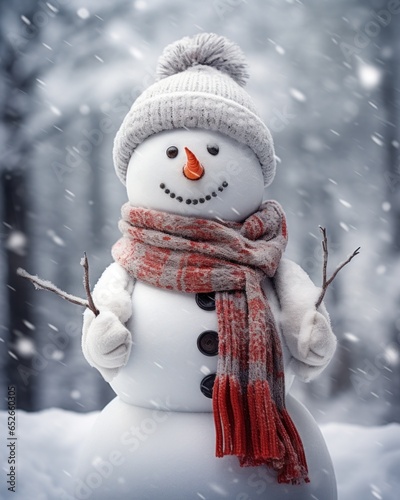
column 192, row 170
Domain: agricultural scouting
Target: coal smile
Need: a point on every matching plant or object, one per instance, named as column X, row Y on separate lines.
column 193, row 201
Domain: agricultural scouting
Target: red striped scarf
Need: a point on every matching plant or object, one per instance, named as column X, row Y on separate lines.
column 192, row 255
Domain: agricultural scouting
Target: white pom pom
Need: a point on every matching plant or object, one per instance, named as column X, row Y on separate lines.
column 206, row 49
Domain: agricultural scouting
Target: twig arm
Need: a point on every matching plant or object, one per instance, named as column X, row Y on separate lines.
column 85, row 264
column 41, row 284
column 341, row 266
column 325, row 250
column 325, row 281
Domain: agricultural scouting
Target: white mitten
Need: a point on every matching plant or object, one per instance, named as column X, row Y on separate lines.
column 306, row 331
column 315, row 346
column 106, row 342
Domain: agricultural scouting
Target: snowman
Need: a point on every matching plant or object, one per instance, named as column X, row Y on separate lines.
column 203, row 325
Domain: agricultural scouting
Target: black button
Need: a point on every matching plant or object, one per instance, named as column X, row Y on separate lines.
column 206, row 301
column 207, row 385
column 207, row 343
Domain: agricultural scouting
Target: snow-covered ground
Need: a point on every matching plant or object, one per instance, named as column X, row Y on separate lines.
column 366, row 459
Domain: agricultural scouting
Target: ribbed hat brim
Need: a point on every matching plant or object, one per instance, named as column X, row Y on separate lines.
column 176, row 110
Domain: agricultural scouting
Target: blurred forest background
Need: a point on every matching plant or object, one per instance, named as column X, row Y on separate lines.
column 325, row 76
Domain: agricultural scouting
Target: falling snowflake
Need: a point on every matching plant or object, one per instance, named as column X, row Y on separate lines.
column 351, row 337
column 345, row 203
column 83, row 13
column 28, row 324
column 136, row 53
column 392, row 355
column 75, row 394
column 57, row 355
column 140, row 5
column 56, row 239
column 377, row 140
column 25, row 347
column 298, row 95
column 55, row 110
column 16, row 242
column 369, row 76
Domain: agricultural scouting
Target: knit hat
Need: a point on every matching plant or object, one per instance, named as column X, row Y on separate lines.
column 199, row 84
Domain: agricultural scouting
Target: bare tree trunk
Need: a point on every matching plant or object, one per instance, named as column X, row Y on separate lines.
column 19, row 371
column 16, row 148
column 391, row 103
column 391, row 100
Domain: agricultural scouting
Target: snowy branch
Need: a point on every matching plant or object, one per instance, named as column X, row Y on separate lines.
column 41, row 284
column 85, row 264
column 326, row 282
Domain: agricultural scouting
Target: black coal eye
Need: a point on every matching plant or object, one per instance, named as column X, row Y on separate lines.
column 172, row 152
column 213, row 149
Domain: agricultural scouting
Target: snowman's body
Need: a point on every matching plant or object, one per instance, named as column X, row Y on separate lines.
column 168, row 364
column 156, row 439
column 136, row 453
column 157, row 346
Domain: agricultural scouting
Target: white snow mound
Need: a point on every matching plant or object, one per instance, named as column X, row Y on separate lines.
column 366, row 459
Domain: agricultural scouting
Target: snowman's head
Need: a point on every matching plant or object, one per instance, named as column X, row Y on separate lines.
column 197, row 173
column 197, row 103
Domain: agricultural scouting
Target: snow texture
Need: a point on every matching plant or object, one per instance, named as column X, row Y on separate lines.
column 330, row 106
column 366, row 459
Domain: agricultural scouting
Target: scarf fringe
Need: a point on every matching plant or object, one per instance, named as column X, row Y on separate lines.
column 257, row 432
column 295, row 470
column 230, row 425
